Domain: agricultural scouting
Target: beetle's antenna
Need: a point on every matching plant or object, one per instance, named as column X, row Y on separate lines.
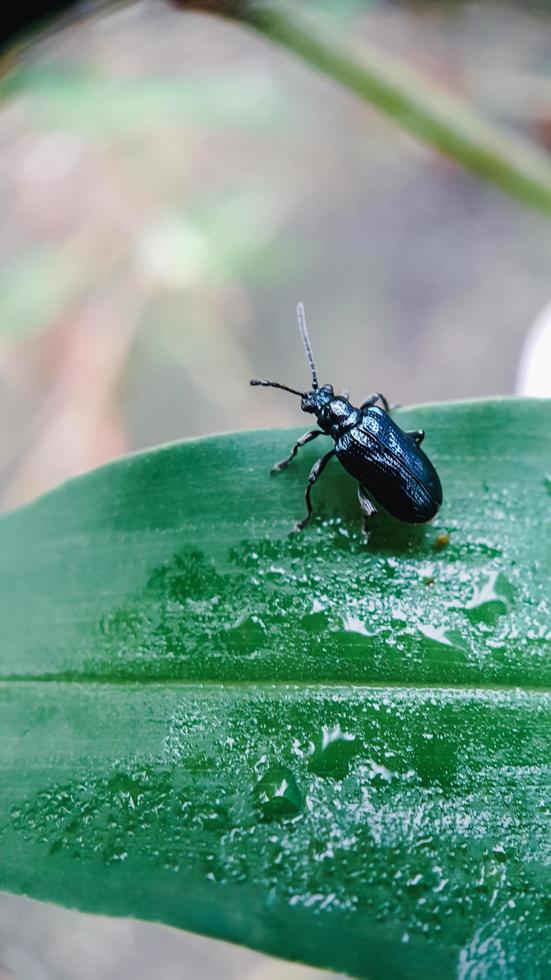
column 307, row 345
column 276, row 384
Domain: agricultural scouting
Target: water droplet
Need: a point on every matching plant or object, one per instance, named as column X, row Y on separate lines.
column 214, row 868
column 125, row 788
column 216, row 818
column 277, row 794
column 443, row 636
column 380, row 775
column 398, row 615
column 353, row 624
column 317, row 620
column 491, row 599
column 170, row 861
column 416, row 885
column 441, row 541
column 332, row 753
column 500, row 853
column 247, row 634
column 115, row 851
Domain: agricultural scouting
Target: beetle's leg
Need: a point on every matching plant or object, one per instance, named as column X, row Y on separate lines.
column 368, row 508
column 418, row 435
column 373, row 399
column 307, row 437
column 317, row 468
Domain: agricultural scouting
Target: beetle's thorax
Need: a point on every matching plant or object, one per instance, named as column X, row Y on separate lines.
column 334, row 413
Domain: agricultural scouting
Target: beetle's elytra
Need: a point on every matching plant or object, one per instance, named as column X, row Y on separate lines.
column 387, row 462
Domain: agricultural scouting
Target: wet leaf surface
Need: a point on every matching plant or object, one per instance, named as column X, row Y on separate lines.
column 331, row 751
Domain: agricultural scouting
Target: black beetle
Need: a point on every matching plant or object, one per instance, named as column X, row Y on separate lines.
column 387, row 462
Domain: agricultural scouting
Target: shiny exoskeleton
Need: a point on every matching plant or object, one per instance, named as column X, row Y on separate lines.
column 388, row 463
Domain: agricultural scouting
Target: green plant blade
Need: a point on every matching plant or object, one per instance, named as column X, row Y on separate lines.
column 329, row 751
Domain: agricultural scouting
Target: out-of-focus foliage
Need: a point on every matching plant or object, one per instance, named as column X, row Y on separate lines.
column 172, row 186
column 90, row 104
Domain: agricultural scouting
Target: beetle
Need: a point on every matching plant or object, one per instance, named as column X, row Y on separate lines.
column 387, row 462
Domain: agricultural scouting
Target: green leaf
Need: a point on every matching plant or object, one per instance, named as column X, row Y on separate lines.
column 331, row 751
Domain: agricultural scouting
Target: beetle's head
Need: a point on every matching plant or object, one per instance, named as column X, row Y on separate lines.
column 314, row 401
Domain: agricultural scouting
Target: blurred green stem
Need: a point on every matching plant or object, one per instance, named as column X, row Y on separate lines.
column 419, row 107
column 431, row 115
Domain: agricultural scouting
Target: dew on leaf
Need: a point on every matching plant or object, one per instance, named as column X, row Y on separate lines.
column 443, row 636
column 277, row 794
column 332, row 752
column 246, row 634
column 491, row 598
column 354, row 624
column 380, row 775
column 416, row 885
column 216, row 818
column 114, row 851
column 170, row 862
column 500, row 853
column 315, row 622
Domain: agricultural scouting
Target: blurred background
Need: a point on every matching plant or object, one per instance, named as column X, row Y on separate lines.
column 170, row 186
